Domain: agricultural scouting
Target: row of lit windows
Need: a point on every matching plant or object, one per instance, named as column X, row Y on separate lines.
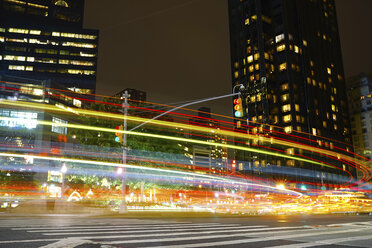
column 264, row 18
column 29, row 4
column 294, row 48
column 56, row 34
column 67, row 71
column 48, row 60
column 49, row 42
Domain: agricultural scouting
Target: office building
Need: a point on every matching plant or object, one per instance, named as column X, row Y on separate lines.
column 287, row 54
column 45, row 40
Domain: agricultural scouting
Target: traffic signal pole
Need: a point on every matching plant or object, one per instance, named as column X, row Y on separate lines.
column 123, row 205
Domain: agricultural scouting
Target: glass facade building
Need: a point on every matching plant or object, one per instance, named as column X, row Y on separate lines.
column 44, row 40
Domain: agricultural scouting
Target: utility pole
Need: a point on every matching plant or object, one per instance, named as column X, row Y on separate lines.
column 123, row 206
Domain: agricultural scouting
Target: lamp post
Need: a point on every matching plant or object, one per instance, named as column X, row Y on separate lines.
column 123, row 205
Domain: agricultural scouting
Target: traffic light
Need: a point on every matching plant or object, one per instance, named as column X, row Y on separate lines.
column 119, row 135
column 238, row 107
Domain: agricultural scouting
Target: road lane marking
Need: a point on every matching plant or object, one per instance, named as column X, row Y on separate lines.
column 66, row 230
column 192, row 233
column 136, row 240
column 111, row 226
column 325, row 242
column 230, row 242
column 67, row 243
column 81, row 232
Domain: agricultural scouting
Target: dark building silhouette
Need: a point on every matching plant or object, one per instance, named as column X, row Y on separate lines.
column 287, row 54
column 45, row 40
column 134, row 95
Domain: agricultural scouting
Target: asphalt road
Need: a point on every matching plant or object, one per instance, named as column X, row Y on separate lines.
column 56, row 231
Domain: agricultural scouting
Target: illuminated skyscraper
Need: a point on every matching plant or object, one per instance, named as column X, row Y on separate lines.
column 45, row 40
column 287, row 53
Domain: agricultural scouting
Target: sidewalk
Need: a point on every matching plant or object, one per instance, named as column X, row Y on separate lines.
column 42, row 207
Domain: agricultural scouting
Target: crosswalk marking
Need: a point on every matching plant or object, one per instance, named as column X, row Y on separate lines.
column 129, row 225
column 66, row 230
column 211, row 229
column 226, row 230
column 229, row 242
column 325, row 242
column 189, row 235
column 232, row 234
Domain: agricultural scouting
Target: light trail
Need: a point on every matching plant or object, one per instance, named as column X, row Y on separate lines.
column 189, row 127
column 175, row 125
column 118, row 165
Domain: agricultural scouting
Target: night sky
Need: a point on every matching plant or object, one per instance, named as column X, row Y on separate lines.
column 178, row 50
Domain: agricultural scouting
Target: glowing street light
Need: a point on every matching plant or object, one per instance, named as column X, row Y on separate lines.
column 119, row 171
column 280, row 186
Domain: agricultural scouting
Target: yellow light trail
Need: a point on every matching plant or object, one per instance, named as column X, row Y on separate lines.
column 111, row 164
column 182, row 126
column 111, row 130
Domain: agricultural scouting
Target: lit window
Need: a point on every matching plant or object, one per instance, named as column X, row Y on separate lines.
column 324, row 124
column 304, row 42
column 285, row 97
column 329, row 71
column 251, row 68
column 290, row 151
column 335, row 127
column 35, row 32
column 256, row 56
column 285, row 86
column 283, row 66
column 288, row 129
column 18, row 30
column 257, row 66
column 236, row 73
column 246, row 22
column 296, row 49
column 12, row 57
column 76, row 102
column 16, row 67
column 250, row 59
column 314, row 131
column 297, row 107
column 287, row 118
column 30, row 59
column 286, row 108
column 333, row 108
column 279, row 38
column 280, row 48
column 29, row 68
column 77, row 44
column 334, row 117
column 254, row 17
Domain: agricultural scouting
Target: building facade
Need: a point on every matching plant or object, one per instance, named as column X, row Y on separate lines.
column 287, row 54
column 45, row 40
column 360, row 106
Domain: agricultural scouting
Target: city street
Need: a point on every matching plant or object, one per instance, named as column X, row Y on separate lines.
column 269, row 231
